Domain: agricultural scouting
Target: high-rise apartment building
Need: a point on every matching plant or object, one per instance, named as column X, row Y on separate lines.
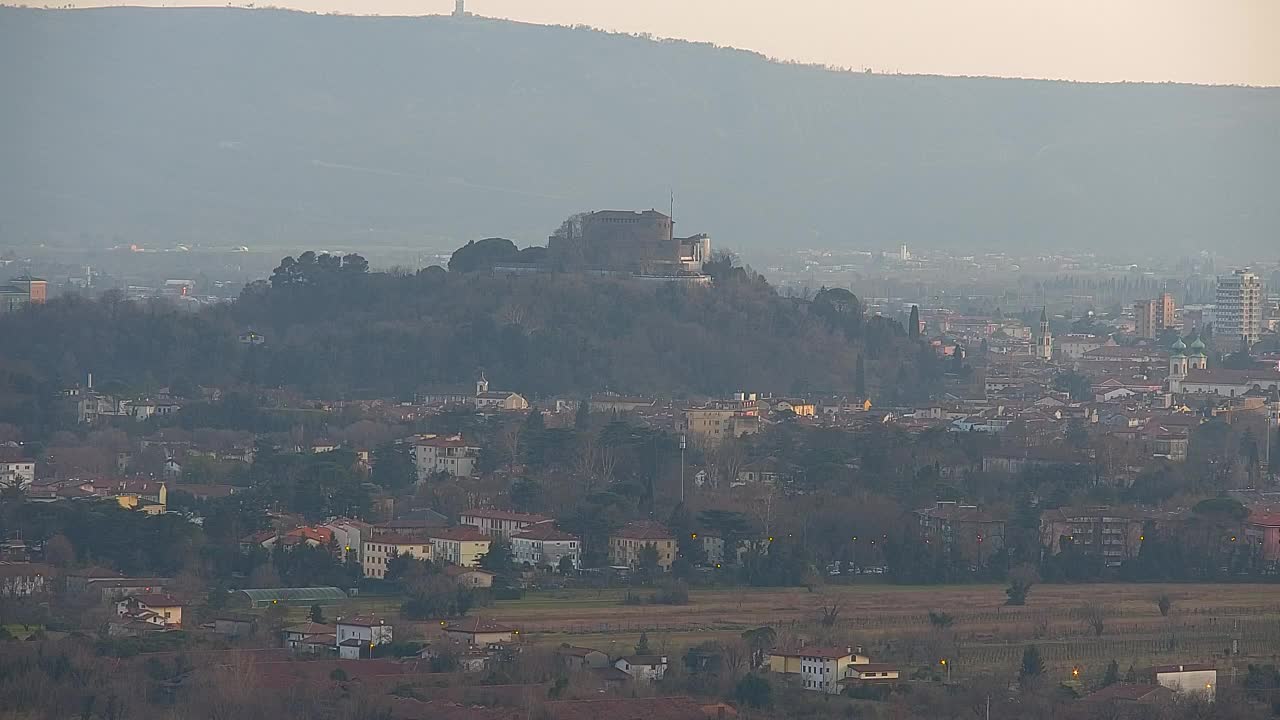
column 1154, row 316
column 1237, row 319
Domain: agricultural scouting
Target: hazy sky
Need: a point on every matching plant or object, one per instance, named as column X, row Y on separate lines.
column 1198, row 41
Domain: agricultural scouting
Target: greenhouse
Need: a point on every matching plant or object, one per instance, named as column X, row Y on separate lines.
column 289, row 597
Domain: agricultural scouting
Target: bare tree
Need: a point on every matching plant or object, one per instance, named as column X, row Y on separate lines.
column 1094, row 616
column 734, row 656
column 830, row 614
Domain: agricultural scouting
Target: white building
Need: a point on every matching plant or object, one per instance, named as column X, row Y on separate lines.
column 1188, row 678
column 19, row 579
column 501, row 524
column 820, row 668
column 1226, row 383
column 16, row 470
column 1238, row 314
column 543, row 544
column 361, row 633
column 643, row 668
column 349, row 535
column 451, row 455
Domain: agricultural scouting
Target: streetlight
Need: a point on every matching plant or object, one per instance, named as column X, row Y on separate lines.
column 946, row 664
column 683, row 444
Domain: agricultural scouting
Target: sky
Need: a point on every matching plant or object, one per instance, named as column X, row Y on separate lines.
column 1217, row 42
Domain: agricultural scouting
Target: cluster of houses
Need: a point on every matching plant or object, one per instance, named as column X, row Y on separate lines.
column 1115, row 534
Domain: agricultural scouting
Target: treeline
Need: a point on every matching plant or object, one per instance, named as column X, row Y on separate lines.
column 333, row 329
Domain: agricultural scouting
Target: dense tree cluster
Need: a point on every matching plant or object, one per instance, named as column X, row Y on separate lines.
column 334, row 329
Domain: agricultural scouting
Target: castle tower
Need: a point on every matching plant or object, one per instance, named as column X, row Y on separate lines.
column 1199, row 361
column 460, row 8
column 1178, row 361
column 1044, row 340
column 482, row 385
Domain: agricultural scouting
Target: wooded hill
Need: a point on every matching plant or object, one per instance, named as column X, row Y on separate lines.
column 344, row 332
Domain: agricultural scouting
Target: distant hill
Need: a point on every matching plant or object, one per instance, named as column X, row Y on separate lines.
column 280, row 128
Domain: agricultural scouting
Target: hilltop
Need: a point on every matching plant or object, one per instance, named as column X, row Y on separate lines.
column 275, row 128
column 372, row 334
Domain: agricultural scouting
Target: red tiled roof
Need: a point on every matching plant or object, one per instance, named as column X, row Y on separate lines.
column 362, row 621
column 153, row 600
column 14, row 455
column 545, row 532
column 506, row 515
column 1265, row 519
column 645, row 530
column 826, row 653
column 874, row 668
column 24, row 569
column 455, row 571
column 462, row 533
column 1186, row 667
column 397, row 539
column 448, row 443
column 311, row 628
column 1126, row 692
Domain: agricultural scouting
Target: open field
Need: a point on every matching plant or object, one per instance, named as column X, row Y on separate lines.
column 892, row 621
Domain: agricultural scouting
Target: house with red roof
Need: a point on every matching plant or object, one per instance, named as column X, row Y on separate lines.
column 627, row 544
column 160, row 609
column 1263, row 529
column 501, row 524
column 462, row 545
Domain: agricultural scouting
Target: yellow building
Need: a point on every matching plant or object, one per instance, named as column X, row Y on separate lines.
column 802, row 408
column 148, row 496
column 154, row 609
column 462, row 546
column 377, row 551
column 820, row 668
column 711, row 425
column 626, row 544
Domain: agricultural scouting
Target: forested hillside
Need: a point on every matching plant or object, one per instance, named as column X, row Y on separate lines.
column 235, row 127
column 351, row 333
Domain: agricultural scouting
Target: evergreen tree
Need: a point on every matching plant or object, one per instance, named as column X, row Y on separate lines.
column 913, row 325
column 317, row 614
column 860, row 378
column 642, row 647
column 1032, row 663
column 582, row 418
column 1113, row 674
column 393, row 466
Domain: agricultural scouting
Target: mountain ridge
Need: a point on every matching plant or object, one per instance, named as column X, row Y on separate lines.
column 428, row 131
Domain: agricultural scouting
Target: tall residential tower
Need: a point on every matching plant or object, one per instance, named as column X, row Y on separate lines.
column 1238, row 316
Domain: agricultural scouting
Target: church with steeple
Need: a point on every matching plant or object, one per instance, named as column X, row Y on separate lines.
column 1184, row 360
column 1044, row 338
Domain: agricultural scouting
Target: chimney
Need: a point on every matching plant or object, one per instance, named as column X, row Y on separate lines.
column 90, row 381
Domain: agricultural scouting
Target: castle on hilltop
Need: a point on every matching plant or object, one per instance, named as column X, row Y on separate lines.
column 641, row 243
